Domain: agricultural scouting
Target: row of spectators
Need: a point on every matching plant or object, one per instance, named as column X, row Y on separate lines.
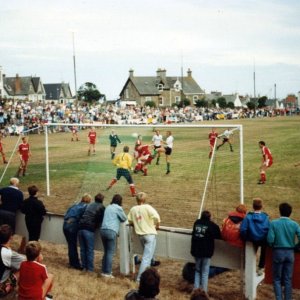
column 30, row 115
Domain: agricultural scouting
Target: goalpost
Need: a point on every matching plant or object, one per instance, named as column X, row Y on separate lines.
column 232, row 128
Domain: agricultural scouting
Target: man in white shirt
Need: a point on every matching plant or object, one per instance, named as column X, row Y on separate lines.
column 145, row 220
column 157, row 141
column 226, row 139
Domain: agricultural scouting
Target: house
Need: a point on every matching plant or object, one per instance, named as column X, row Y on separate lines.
column 234, row 98
column 163, row 90
column 290, row 101
column 58, row 92
column 23, row 88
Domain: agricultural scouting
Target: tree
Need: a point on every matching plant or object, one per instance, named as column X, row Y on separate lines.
column 262, row 102
column 88, row 92
column 230, row 105
column 150, row 103
column 251, row 105
column 222, row 102
column 201, row 103
column 214, row 103
column 184, row 102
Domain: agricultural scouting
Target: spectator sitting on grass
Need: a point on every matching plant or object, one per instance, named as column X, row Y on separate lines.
column 9, row 263
column 148, row 288
column 34, row 281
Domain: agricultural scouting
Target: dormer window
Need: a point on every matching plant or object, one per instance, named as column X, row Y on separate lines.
column 177, row 85
column 160, row 87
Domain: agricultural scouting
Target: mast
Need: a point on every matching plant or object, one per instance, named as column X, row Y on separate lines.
column 75, row 78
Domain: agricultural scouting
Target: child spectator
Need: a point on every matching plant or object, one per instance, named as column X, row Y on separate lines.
column 199, row 294
column 34, row 211
column 254, row 228
column 148, row 288
column 231, row 226
column 203, row 245
column 10, row 262
column 34, row 281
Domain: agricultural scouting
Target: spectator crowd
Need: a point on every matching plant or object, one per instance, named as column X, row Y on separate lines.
column 16, row 117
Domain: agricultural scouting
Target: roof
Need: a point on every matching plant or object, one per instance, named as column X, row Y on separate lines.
column 16, row 86
column 55, row 91
column 148, row 85
column 52, row 91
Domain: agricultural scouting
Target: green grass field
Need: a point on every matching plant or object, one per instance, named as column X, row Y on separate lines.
column 176, row 196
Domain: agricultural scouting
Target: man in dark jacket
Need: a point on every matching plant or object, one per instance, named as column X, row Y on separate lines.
column 203, row 245
column 11, row 201
column 89, row 222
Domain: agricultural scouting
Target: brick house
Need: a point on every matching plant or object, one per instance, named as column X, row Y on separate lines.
column 161, row 89
column 290, row 101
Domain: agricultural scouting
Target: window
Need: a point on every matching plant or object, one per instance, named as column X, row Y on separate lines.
column 126, row 94
column 177, row 87
column 160, row 101
column 177, row 99
column 195, row 98
column 148, row 98
column 160, row 87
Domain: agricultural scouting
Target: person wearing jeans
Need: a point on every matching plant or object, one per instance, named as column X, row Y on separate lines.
column 70, row 229
column 90, row 220
column 113, row 216
column 145, row 220
column 281, row 237
column 203, row 245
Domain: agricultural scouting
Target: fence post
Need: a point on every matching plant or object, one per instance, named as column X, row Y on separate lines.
column 251, row 278
column 124, row 249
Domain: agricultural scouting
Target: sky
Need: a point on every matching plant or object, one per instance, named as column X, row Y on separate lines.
column 221, row 41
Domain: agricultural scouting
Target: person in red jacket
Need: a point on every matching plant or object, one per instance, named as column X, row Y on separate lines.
column 24, row 153
column 231, row 226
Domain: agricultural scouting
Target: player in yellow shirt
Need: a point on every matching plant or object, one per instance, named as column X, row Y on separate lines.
column 123, row 161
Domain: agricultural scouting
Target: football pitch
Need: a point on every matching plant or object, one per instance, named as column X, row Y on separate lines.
column 176, row 196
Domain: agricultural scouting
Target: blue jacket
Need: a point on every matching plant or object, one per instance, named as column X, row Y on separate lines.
column 75, row 211
column 113, row 216
column 255, row 227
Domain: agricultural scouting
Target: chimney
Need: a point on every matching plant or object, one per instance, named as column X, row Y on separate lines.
column 17, row 84
column 161, row 73
column 189, row 72
column 131, row 73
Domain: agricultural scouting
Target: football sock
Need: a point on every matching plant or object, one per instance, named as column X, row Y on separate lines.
column 132, row 190
column 168, row 167
column 113, row 181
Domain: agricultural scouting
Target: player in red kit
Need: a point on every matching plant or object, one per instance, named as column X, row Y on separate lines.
column 144, row 158
column 266, row 162
column 212, row 138
column 92, row 136
column 24, row 152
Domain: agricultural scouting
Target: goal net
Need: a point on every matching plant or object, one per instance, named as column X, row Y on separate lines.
column 194, row 181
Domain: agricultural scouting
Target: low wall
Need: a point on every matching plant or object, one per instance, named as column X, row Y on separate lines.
column 172, row 243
